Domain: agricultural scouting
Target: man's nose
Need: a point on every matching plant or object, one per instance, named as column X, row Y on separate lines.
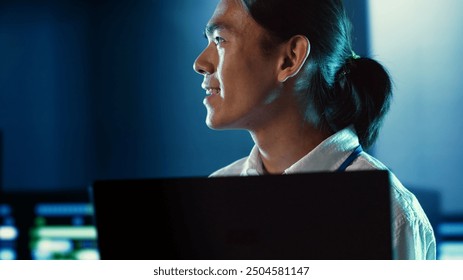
column 203, row 64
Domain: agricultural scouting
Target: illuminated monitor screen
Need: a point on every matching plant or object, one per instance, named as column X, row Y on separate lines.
column 8, row 234
column 63, row 231
column 47, row 226
column 451, row 245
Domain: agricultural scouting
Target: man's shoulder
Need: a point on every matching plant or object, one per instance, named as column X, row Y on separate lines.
column 233, row 169
column 406, row 207
column 413, row 234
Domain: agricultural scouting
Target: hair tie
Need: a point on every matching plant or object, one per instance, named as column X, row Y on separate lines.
column 345, row 69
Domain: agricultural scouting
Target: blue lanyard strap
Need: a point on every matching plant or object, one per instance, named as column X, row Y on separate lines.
column 354, row 155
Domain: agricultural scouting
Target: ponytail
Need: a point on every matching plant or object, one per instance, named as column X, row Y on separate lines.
column 361, row 95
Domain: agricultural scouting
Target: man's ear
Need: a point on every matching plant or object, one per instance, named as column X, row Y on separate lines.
column 294, row 54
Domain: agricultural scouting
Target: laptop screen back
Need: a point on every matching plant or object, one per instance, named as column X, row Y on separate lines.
column 307, row 216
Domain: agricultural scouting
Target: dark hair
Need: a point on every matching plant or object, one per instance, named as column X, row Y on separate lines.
column 344, row 89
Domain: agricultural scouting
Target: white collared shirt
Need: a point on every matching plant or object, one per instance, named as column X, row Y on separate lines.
column 413, row 236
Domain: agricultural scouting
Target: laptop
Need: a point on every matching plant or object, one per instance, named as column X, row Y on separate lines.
column 315, row 216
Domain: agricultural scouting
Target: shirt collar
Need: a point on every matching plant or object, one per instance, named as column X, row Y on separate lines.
column 253, row 165
column 327, row 156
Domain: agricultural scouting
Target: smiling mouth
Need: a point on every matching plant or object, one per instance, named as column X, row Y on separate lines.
column 213, row 91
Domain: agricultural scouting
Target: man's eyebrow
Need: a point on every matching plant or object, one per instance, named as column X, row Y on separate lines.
column 211, row 27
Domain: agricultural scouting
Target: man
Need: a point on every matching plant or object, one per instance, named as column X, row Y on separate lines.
column 284, row 70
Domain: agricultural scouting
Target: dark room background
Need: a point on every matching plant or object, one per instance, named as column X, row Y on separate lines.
column 105, row 89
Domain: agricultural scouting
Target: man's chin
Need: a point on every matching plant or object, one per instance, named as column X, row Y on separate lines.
column 216, row 125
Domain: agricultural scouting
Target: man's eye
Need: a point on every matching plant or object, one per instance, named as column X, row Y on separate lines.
column 218, row 40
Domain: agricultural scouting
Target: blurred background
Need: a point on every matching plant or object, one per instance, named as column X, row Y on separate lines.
column 105, row 90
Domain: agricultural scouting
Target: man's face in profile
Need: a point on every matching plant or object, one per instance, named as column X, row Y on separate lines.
column 240, row 80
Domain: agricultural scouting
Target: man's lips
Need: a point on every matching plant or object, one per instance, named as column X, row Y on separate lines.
column 213, row 91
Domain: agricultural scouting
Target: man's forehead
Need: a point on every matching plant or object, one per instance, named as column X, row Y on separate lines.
column 225, row 6
column 227, row 14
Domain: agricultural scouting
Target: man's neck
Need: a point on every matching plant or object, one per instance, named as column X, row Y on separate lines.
column 285, row 142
